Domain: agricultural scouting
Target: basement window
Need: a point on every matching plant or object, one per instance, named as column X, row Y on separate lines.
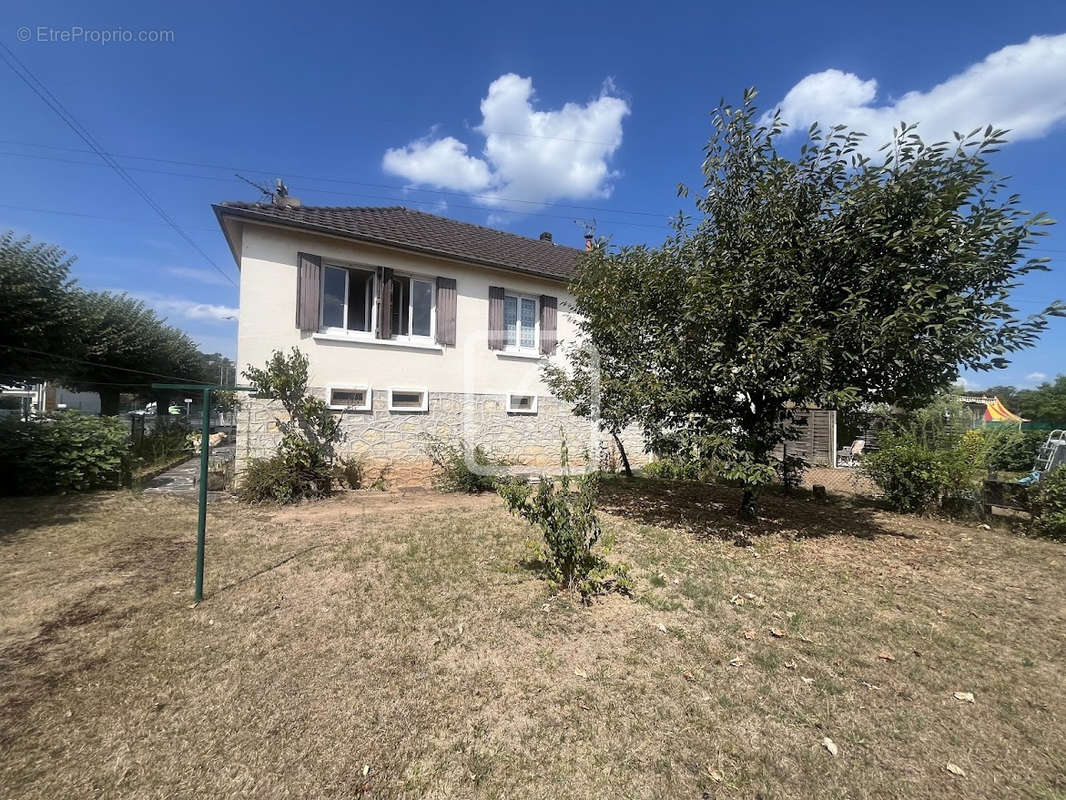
column 349, row 398
column 521, row 404
column 408, row 400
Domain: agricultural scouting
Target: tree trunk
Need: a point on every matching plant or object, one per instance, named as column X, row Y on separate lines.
column 109, row 401
column 748, row 504
column 622, row 453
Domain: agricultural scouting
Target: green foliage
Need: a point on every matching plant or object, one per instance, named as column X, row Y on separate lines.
column 303, row 466
column 829, row 279
column 907, row 471
column 279, row 480
column 1047, row 504
column 45, row 311
column 1012, row 450
column 568, row 522
column 64, row 452
column 452, row 473
column 163, row 444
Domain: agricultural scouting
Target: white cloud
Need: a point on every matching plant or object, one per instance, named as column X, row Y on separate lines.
column 202, row 275
column 528, row 154
column 442, row 163
column 189, row 309
column 1019, row 87
column 1036, row 377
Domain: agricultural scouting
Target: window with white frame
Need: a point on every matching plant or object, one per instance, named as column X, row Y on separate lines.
column 521, row 324
column 349, row 398
column 521, row 404
column 408, row 400
column 413, row 308
column 347, row 299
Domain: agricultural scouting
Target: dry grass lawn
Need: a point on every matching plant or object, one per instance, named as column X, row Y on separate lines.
column 395, row 645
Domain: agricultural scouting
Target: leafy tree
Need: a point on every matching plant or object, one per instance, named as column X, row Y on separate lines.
column 1045, row 403
column 52, row 328
column 611, row 400
column 37, row 305
column 825, row 279
column 303, row 466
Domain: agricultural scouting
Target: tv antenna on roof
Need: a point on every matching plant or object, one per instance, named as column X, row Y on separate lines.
column 589, row 225
column 278, row 196
column 268, row 194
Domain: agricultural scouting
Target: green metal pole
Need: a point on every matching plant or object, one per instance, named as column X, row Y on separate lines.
column 201, row 523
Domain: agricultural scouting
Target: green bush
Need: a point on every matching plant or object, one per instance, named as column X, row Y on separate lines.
column 571, row 529
column 451, row 473
column 277, row 480
column 64, row 452
column 1012, row 450
column 1047, row 504
column 909, row 473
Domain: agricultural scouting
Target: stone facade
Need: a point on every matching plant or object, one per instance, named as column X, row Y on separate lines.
column 394, row 440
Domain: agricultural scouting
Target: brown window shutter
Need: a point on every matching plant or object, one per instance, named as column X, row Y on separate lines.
column 384, row 281
column 496, row 337
column 446, row 311
column 308, row 291
column 549, row 312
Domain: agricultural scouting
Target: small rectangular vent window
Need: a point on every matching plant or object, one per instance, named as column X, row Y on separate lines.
column 349, row 398
column 408, row 400
column 522, row 404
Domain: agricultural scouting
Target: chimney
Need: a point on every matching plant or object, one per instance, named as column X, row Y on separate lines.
column 546, row 236
column 588, row 241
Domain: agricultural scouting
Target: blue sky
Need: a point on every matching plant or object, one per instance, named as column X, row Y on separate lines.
column 523, row 117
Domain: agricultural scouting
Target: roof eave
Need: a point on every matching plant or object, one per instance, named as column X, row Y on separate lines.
column 248, row 214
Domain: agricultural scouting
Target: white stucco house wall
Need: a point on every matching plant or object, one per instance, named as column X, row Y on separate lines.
column 413, row 324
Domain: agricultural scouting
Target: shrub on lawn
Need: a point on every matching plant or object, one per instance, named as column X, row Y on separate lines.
column 279, row 480
column 64, row 452
column 909, row 473
column 451, row 473
column 1012, row 450
column 1047, row 504
column 567, row 518
column 302, row 469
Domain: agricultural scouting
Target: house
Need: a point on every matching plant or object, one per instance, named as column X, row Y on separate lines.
column 413, row 324
column 49, row 396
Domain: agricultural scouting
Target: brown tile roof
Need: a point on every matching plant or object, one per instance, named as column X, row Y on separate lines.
column 396, row 226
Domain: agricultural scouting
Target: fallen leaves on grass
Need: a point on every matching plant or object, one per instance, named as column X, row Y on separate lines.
column 830, row 745
column 966, row 697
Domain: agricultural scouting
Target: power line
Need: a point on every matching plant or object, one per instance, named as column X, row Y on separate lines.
column 305, row 189
column 98, row 364
column 42, row 91
column 124, row 220
column 206, row 165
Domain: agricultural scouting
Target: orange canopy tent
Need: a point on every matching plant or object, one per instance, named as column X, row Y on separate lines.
column 997, row 412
